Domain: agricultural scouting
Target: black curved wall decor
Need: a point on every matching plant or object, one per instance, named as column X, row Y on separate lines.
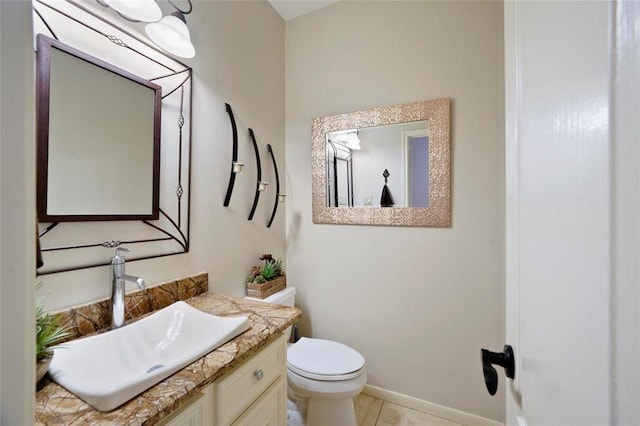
column 232, row 176
column 259, row 177
column 275, row 203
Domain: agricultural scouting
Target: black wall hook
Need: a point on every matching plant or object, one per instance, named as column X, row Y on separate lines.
column 275, row 169
column 234, row 157
column 503, row 359
column 259, row 167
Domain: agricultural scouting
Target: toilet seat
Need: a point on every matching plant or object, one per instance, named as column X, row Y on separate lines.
column 324, row 360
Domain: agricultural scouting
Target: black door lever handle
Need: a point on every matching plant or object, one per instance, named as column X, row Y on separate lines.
column 503, row 359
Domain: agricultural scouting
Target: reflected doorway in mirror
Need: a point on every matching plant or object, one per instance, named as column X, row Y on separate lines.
column 415, row 149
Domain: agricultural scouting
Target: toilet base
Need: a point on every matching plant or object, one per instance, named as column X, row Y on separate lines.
column 325, row 403
column 325, row 412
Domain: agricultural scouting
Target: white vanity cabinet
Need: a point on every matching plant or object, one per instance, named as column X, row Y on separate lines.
column 269, row 409
column 253, row 393
column 198, row 411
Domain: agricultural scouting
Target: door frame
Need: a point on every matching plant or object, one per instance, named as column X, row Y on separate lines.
column 512, row 77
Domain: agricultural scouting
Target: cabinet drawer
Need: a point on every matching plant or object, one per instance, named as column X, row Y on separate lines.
column 238, row 390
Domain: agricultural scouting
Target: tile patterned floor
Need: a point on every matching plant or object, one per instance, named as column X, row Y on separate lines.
column 371, row 411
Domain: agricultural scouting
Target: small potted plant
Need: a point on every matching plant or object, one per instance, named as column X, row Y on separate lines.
column 266, row 279
column 49, row 334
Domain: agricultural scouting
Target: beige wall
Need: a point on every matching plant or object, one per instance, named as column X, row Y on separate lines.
column 418, row 303
column 239, row 60
column 17, row 203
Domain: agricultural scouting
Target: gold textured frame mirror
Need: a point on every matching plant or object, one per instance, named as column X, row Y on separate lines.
column 438, row 212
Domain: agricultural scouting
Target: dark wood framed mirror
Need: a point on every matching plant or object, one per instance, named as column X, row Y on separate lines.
column 98, row 138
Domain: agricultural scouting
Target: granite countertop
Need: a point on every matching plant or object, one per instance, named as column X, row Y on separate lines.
column 55, row 405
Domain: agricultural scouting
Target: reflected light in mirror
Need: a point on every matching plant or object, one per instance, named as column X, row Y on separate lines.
column 347, row 138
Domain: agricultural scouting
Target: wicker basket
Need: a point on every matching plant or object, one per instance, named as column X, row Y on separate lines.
column 264, row 290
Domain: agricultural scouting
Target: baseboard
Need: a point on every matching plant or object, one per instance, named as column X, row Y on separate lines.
column 428, row 407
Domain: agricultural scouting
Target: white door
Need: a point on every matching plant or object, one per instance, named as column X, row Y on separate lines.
column 559, row 191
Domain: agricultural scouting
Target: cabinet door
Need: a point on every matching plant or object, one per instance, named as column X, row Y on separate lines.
column 198, row 411
column 268, row 410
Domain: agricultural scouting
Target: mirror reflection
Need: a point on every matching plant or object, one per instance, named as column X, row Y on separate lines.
column 358, row 158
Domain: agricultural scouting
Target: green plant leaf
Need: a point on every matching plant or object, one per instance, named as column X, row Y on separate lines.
column 49, row 332
column 268, row 271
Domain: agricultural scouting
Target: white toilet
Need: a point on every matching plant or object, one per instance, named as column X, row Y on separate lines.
column 323, row 376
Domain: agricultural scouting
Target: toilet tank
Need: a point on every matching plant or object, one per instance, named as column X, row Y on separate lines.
column 285, row 297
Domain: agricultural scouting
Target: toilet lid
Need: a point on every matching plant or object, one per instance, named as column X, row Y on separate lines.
column 321, row 359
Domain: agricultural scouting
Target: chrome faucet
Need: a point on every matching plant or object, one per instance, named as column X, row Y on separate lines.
column 118, row 279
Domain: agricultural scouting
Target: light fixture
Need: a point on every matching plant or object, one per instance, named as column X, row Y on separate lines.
column 135, row 10
column 262, row 186
column 171, row 33
column 281, row 197
column 237, row 167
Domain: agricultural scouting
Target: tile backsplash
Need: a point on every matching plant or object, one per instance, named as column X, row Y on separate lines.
column 96, row 316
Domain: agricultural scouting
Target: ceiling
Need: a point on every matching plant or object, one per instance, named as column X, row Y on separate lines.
column 290, row 9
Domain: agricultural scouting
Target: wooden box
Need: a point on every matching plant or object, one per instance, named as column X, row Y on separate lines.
column 264, row 290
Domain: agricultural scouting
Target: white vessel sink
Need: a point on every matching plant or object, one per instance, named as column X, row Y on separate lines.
column 108, row 369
